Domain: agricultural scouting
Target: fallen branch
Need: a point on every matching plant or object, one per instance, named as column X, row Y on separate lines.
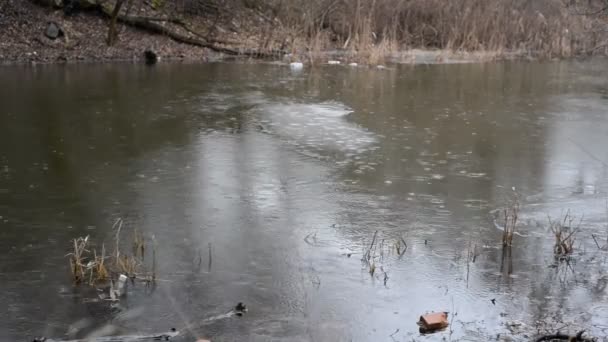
column 125, row 338
column 563, row 337
column 154, row 26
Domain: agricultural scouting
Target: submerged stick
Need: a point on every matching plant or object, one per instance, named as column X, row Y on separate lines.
column 369, row 250
column 125, row 338
column 596, row 243
column 563, row 337
column 119, row 223
column 210, row 259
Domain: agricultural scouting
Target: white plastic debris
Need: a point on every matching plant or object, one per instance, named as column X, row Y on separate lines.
column 353, row 64
column 296, row 66
column 333, row 62
column 120, row 287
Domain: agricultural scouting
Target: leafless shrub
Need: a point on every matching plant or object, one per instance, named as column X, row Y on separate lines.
column 565, row 234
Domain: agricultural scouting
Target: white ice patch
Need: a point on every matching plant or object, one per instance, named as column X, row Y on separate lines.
column 317, row 126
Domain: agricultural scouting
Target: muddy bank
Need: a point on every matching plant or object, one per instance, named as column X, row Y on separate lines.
column 24, row 40
column 38, row 34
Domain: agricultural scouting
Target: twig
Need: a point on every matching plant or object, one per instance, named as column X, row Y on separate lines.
column 596, row 243
column 385, row 275
column 563, row 337
column 452, row 318
column 367, row 255
column 393, row 334
column 153, row 258
column 155, row 337
column 119, row 223
column 588, row 152
column 404, row 248
column 210, row 259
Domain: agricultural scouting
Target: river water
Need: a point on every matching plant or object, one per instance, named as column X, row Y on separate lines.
column 284, row 177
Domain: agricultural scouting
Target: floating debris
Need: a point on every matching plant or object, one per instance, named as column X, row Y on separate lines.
column 296, row 66
column 432, row 322
column 563, row 337
column 167, row 336
column 240, row 309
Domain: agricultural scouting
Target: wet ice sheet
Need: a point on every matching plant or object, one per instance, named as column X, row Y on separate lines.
column 318, row 127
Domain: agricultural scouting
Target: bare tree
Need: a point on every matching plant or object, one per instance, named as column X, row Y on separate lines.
column 112, row 32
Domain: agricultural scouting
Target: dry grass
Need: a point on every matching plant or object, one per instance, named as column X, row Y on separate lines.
column 565, row 234
column 100, row 270
column 371, row 29
column 511, row 215
column 380, row 253
column 78, row 262
column 472, row 254
column 139, row 244
column 87, row 266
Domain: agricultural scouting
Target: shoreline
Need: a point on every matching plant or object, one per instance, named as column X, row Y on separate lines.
column 83, row 41
column 334, row 58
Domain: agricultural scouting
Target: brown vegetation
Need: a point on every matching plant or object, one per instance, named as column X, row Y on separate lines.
column 544, row 28
column 511, row 215
column 87, row 266
column 365, row 30
column 565, row 235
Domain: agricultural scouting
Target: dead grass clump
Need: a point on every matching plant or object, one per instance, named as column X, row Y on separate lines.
column 370, row 29
column 139, row 244
column 380, row 253
column 78, row 262
column 565, row 234
column 511, row 215
column 87, row 266
column 100, row 270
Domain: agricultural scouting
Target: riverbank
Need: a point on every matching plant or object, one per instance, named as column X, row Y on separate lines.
column 184, row 36
column 24, row 40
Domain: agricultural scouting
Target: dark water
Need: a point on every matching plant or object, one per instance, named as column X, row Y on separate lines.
column 285, row 174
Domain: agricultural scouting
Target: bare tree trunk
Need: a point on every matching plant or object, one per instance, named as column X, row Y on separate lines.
column 112, row 33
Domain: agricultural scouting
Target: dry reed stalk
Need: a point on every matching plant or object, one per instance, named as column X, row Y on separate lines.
column 77, row 259
column 94, row 268
column 100, row 269
column 564, row 234
column 543, row 28
column 511, row 215
column 118, row 225
column 139, row 244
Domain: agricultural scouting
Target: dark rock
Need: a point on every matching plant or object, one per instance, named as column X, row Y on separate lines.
column 53, row 31
column 150, row 57
column 70, row 7
column 240, row 309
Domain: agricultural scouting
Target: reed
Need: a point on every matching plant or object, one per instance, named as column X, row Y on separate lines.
column 565, row 234
column 511, row 215
column 88, row 266
column 78, row 259
column 372, row 29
